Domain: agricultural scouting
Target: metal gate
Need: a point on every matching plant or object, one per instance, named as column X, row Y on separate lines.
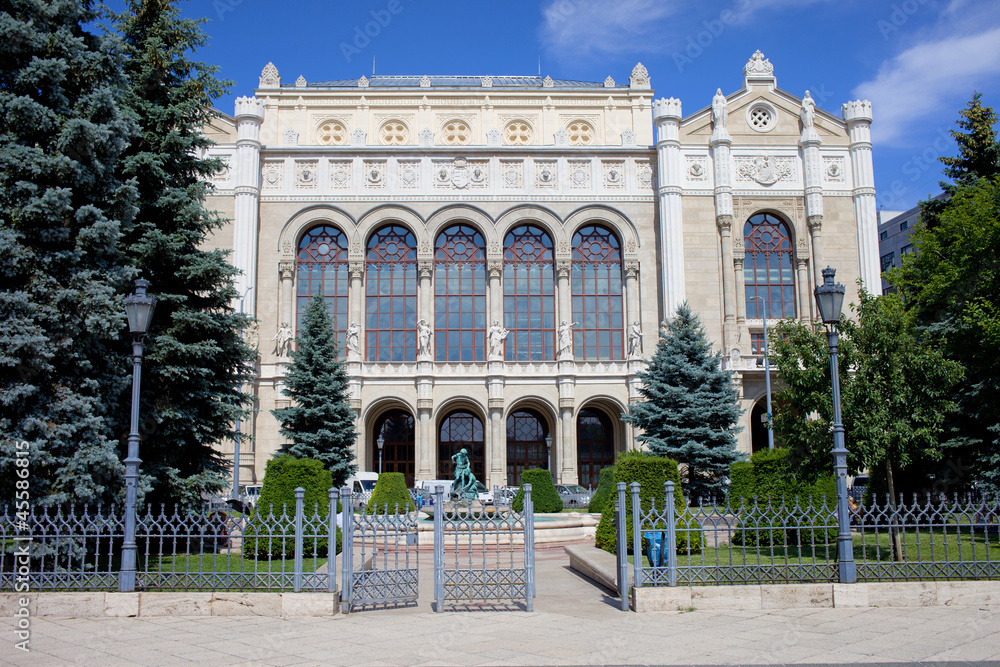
column 378, row 557
column 483, row 553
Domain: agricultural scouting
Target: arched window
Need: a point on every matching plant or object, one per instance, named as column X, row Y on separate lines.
column 758, row 431
column 595, row 445
column 597, row 294
column 460, row 295
column 529, row 294
column 768, row 271
column 526, row 447
column 322, row 269
column 461, row 430
column 398, row 454
column 391, row 295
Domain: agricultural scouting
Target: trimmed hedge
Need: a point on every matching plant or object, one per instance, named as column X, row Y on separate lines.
column 652, row 472
column 544, row 496
column 390, row 493
column 740, row 481
column 275, row 510
column 605, row 490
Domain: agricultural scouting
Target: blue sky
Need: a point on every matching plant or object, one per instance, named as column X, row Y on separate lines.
column 918, row 61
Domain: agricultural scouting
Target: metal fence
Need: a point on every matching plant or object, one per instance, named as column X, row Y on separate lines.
column 79, row 548
column 793, row 540
column 483, row 553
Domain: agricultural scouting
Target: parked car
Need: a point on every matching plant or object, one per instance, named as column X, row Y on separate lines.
column 858, row 488
column 362, row 486
column 573, row 495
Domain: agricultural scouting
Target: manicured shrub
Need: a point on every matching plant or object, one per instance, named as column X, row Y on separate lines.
column 390, row 495
column 544, row 496
column 740, row 482
column 275, row 511
column 651, row 472
column 605, row 490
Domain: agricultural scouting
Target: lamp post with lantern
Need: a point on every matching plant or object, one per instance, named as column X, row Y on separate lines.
column 830, row 302
column 381, row 443
column 139, row 308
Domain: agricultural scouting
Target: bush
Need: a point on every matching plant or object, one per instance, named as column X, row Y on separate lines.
column 275, row 511
column 740, row 482
column 652, row 472
column 605, row 490
column 390, row 495
column 544, row 496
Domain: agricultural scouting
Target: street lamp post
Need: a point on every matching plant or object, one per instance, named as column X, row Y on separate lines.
column 767, row 375
column 548, row 449
column 139, row 309
column 830, row 301
column 381, row 444
column 235, row 493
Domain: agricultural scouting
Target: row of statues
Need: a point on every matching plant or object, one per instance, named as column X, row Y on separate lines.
column 720, row 114
column 495, row 337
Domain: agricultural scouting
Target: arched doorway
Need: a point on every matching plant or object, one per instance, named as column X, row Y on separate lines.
column 526, row 446
column 461, row 429
column 758, row 434
column 398, row 452
column 595, row 445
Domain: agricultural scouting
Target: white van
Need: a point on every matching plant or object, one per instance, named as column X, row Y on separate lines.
column 362, row 485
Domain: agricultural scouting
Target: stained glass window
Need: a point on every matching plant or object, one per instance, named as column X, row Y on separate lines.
column 460, row 295
column 529, row 294
column 767, row 267
column 322, row 269
column 597, row 294
column 391, row 295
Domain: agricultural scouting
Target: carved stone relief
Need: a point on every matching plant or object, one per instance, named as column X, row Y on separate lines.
column 764, row 169
column 306, row 174
column 644, row 173
column 512, row 173
column 614, row 174
column 545, row 174
column 833, row 170
column 579, row 174
column 697, row 169
column 628, row 138
column 461, row 174
column 340, row 174
column 409, row 174
column 223, row 173
column 273, row 175
column 374, row 174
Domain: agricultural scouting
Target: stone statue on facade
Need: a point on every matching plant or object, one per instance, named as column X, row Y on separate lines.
column 496, row 337
column 424, row 333
column 635, row 340
column 808, row 112
column 566, row 337
column 353, row 333
column 284, row 338
column 719, row 113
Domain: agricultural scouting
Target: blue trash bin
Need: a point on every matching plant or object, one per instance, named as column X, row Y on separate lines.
column 655, row 552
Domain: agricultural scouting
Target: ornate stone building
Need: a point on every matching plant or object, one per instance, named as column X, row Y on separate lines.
column 499, row 251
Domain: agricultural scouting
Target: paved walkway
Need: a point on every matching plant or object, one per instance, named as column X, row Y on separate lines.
column 574, row 622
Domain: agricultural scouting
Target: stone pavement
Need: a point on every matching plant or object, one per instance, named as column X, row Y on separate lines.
column 574, row 622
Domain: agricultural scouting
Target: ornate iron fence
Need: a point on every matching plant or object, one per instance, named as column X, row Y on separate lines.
column 379, row 557
column 179, row 549
column 483, row 553
column 794, row 540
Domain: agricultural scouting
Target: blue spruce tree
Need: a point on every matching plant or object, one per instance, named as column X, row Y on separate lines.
column 691, row 406
column 320, row 423
column 197, row 361
column 63, row 207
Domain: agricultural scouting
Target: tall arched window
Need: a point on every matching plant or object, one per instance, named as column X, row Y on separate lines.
column 460, row 295
column 526, row 448
column 391, row 295
column 597, row 294
column 595, row 445
column 768, row 271
column 529, row 309
column 461, row 430
column 398, row 453
column 322, row 269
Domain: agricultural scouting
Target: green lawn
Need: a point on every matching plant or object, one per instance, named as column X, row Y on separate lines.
column 228, row 563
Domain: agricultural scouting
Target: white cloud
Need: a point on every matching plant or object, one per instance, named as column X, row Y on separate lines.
column 928, row 79
column 598, row 26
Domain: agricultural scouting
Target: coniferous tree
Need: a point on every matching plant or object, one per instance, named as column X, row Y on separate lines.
column 62, row 210
column 198, row 362
column 320, row 422
column 691, row 405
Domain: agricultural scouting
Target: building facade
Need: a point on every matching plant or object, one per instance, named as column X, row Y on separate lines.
column 500, row 251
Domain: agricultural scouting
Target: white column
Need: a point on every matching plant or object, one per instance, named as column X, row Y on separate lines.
column 246, row 176
column 286, row 271
column 809, row 143
column 564, row 298
column 667, row 117
column 425, row 296
column 858, row 115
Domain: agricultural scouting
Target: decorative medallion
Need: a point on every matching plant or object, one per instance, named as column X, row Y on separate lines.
column 222, row 174
column 512, row 173
column 764, row 169
column 833, row 170
column 409, row 174
column 579, row 174
column 291, row 137
column 273, row 175
column 545, row 174
column 340, row 174
column 332, row 133
column 614, row 174
column 374, row 174
column 644, row 173
column 697, row 168
column 306, row 174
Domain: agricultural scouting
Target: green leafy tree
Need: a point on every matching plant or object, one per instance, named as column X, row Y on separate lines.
column 691, row 405
column 978, row 157
column 320, row 424
column 951, row 286
column 893, row 403
column 63, row 207
column 197, row 361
